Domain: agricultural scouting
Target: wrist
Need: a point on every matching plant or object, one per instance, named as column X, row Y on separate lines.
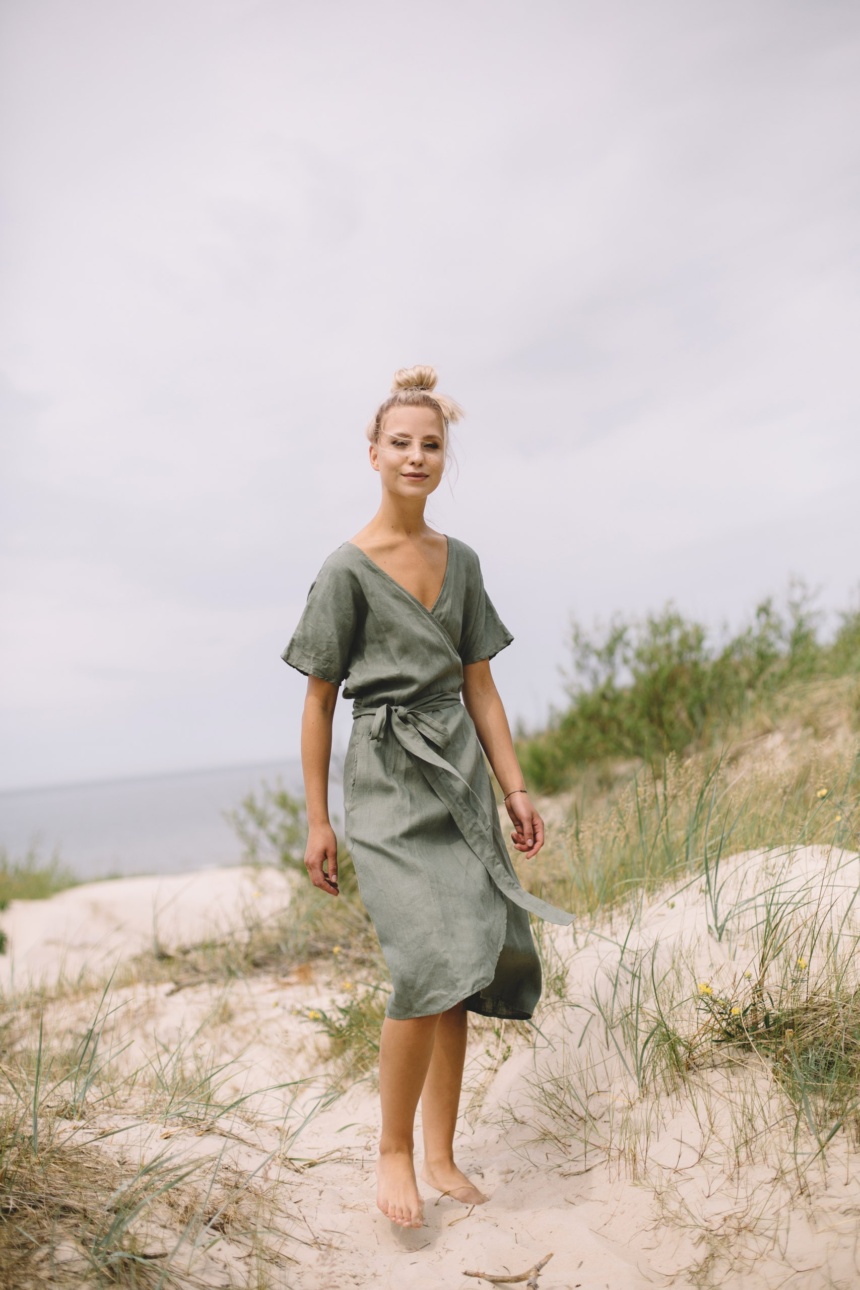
column 516, row 790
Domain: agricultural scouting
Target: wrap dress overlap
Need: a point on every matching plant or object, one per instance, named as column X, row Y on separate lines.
column 420, row 817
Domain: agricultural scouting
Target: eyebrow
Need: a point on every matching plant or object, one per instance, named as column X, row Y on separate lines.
column 432, row 434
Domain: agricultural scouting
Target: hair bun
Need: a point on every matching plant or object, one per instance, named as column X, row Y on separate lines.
column 414, row 378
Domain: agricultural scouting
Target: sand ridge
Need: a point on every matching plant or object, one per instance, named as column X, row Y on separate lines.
column 626, row 1183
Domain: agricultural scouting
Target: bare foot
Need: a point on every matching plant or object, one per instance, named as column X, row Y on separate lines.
column 451, row 1181
column 397, row 1195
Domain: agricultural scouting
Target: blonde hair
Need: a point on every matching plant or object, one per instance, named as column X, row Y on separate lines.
column 413, row 387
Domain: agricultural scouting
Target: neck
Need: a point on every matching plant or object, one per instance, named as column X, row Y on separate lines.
column 398, row 516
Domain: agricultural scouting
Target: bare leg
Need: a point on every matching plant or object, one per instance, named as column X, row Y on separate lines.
column 405, row 1050
column 440, row 1103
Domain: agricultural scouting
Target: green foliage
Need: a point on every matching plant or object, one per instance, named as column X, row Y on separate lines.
column 811, row 1038
column 645, row 688
column 688, row 817
column 272, row 827
column 843, row 655
column 30, row 879
column 352, row 1029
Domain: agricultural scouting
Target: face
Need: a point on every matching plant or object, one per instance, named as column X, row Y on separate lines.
column 410, row 452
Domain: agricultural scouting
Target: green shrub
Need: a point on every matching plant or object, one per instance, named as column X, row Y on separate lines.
column 272, row 826
column 645, row 688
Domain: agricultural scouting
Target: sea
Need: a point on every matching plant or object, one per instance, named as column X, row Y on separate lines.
column 156, row 824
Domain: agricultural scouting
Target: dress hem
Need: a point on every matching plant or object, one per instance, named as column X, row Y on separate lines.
column 474, row 1003
column 472, row 999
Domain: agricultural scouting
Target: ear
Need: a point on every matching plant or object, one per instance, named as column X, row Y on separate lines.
column 374, row 455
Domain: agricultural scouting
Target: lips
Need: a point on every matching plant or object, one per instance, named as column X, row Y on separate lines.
column 414, row 476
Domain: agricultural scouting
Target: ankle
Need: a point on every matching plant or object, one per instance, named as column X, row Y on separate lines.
column 435, row 1160
column 393, row 1147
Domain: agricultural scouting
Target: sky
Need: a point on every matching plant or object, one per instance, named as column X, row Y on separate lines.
column 627, row 236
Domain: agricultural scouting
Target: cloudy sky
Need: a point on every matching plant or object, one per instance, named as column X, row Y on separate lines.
column 627, row 234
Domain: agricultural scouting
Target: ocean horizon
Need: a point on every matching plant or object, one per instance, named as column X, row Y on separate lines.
column 174, row 822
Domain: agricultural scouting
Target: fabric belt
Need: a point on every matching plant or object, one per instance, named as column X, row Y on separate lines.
column 425, row 739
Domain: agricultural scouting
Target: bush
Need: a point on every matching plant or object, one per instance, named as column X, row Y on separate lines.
column 645, row 688
column 272, row 827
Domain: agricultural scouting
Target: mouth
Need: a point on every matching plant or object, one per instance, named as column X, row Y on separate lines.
column 414, row 475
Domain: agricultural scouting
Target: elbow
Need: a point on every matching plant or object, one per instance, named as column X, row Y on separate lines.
column 479, row 688
column 321, row 698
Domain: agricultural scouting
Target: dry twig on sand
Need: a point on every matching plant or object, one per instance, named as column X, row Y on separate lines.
column 530, row 1277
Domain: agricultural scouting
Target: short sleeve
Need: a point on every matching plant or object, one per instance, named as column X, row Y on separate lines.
column 322, row 643
column 484, row 633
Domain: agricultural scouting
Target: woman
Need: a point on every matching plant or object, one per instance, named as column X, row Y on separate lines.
column 399, row 613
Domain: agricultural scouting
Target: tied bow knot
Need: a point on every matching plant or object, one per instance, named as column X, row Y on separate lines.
column 435, row 732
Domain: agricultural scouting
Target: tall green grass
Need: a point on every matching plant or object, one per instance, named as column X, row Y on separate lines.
column 645, row 688
column 31, row 877
column 689, row 815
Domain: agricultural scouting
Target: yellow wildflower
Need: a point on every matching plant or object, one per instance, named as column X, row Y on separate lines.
column 837, row 818
column 347, row 985
column 335, row 949
column 822, row 792
column 736, row 1012
column 748, row 975
column 802, row 964
column 704, row 988
column 313, row 1015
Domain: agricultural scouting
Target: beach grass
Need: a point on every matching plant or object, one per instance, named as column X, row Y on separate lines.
column 128, row 1161
column 31, row 877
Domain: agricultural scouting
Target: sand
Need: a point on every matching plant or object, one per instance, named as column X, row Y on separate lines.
column 708, row 1184
column 95, row 927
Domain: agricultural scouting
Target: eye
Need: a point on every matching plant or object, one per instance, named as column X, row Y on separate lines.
column 432, row 447
column 398, row 443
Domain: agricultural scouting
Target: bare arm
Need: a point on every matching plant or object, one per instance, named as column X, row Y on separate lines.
column 321, row 850
column 485, row 707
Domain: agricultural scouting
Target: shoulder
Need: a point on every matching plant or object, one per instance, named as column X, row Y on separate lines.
column 342, row 557
column 339, row 569
column 466, row 555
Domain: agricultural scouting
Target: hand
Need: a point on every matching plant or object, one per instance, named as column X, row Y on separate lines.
column 528, row 835
column 321, row 859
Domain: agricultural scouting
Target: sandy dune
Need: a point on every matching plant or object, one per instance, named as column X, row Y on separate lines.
column 94, row 927
column 706, row 1184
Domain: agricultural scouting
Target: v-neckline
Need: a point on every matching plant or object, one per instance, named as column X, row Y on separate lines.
column 405, row 590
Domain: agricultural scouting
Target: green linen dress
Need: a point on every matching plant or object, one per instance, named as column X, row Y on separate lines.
column 421, row 820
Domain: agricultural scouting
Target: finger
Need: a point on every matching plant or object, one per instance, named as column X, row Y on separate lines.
column 538, row 838
column 331, row 882
column 318, row 876
column 524, row 838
